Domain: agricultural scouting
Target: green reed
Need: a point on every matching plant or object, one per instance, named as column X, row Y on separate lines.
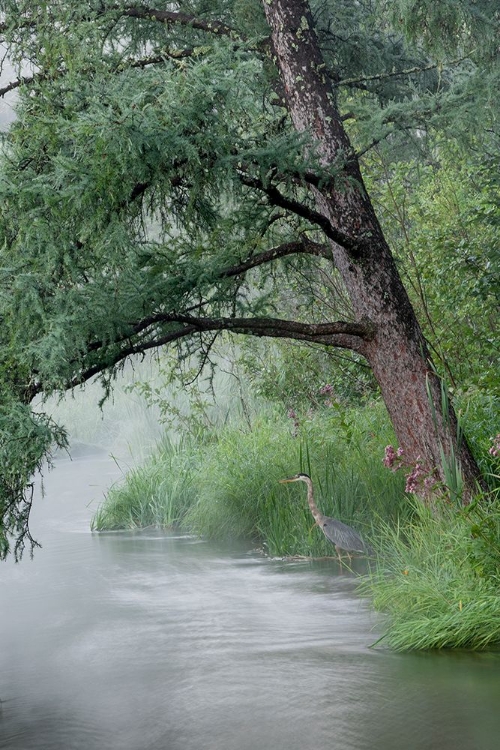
column 224, row 483
column 438, row 577
column 157, row 493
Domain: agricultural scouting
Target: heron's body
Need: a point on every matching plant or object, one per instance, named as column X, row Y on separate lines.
column 340, row 534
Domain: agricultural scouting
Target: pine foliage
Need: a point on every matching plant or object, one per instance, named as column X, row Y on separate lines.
column 152, row 171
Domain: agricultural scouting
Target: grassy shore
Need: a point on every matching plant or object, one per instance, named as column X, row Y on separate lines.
column 438, row 578
column 435, row 573
column 225, row 483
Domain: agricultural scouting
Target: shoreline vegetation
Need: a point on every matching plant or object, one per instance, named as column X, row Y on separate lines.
column 436, row 572
column 289, row 247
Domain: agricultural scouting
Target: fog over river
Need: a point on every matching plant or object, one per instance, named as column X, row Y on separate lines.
column 152, row 641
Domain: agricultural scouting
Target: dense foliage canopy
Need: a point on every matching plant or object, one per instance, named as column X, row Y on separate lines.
column 154, row 189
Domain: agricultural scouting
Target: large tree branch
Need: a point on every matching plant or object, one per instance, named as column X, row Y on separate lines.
column 337, row 333
column 305, row 245
column 340, row 334
column 398, row 73
column 150, row 14
column 276, row 198
column 346, row 335
column 161, row 16
column 182, row 19
column 343, row 334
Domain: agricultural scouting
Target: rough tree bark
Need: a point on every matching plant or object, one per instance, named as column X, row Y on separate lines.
column 397, row 352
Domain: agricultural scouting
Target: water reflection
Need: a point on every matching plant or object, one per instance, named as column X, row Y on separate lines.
column 149, row 641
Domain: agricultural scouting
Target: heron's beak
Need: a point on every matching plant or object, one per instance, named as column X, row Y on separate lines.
column 285, row 481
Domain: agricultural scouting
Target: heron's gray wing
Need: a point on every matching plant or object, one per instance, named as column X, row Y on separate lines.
column 342, row 535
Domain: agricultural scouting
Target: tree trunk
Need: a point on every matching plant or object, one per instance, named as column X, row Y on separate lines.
column 397, row 353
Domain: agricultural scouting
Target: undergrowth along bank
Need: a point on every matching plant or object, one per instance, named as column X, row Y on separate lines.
column 438, row 578
column 437, row 574
column 224, row 484
column 157, row 493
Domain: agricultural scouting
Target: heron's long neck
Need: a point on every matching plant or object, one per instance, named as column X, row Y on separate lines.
column 310, row 500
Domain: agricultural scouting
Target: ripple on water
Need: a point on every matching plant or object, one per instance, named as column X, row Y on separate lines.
column 149, row 641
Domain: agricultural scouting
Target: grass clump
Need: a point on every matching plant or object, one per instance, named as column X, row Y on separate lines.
column 238, row 480
column 438, row 578
column 158, row 493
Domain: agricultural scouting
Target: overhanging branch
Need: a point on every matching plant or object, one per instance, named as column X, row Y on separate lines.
column 183, row 19
column 341, row 334
column 398, row 73
column 276, row 198
column 332, row 334
column 304, row 246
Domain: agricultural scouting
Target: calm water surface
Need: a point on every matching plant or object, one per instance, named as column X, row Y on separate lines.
column 155, row 641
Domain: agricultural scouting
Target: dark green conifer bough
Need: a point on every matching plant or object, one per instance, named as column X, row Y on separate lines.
column 165, row 165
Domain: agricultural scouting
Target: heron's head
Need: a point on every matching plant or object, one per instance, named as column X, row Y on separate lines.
column 296, row 478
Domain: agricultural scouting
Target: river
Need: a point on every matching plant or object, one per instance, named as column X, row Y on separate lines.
column 160, row 641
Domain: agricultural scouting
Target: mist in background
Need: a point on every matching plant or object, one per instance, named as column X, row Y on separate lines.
column 7, row 102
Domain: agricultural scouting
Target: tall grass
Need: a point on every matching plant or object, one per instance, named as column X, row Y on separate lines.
column 230, row 481
column 157, row 493
column 438, row 574
column 438, row 578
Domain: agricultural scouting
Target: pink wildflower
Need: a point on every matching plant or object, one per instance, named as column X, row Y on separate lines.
column 414, row 478
column 392, row 458
column 495, row 448
column 390, row 455
column 292, row 414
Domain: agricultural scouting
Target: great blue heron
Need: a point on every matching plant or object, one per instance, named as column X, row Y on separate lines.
column 343, row 536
